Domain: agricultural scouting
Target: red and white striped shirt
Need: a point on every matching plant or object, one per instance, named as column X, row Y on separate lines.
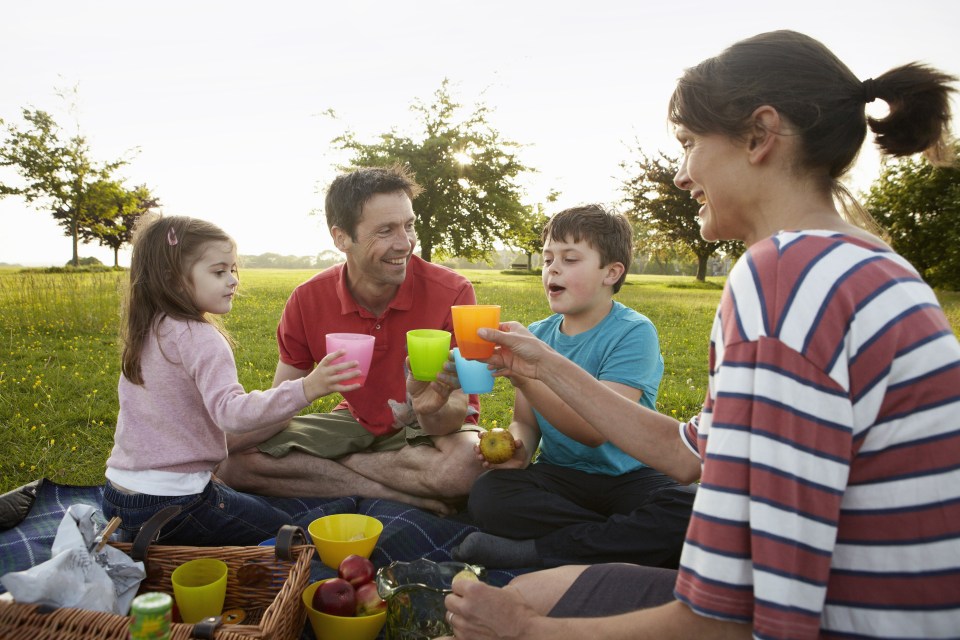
column 829, row 504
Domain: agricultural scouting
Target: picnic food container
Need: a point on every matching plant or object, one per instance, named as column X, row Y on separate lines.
column 261, row 609
column 414, row 592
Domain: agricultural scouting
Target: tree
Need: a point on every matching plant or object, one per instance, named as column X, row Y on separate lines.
column 525, row 235
column 919, row 206
column 58, row 174
column 470, row 199
column 665, row 215
column 117, row 210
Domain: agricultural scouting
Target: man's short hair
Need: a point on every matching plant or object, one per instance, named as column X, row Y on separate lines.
column 608, row 232
column 349, row 192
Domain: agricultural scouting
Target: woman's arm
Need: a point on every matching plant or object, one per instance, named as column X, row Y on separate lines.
column 562, row 415
column 656, row 443
column 482, row 612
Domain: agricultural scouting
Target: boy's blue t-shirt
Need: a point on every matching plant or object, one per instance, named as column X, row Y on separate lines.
column 622, row 348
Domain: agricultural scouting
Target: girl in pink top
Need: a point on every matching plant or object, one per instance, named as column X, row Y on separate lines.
column 179, row 394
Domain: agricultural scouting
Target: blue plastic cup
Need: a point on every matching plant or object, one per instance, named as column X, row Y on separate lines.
column 474, row 375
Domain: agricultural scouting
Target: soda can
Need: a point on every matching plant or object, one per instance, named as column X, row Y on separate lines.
column 151, row 616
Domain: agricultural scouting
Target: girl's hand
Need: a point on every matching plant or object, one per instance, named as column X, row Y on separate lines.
column 327, row 378
column 519, row 352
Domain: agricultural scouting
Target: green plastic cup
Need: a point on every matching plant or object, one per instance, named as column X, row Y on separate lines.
column 199, row 587
column 428, row 350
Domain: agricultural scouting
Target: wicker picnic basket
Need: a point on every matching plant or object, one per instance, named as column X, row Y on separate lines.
column 264, row 583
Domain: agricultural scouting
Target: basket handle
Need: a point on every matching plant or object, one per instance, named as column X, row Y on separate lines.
column 150, row 530
column 286, row 537
column 206, row 628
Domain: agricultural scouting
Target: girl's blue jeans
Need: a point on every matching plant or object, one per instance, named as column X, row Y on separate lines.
column 218, row 516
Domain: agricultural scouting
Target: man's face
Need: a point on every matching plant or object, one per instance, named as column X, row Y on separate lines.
column 385, row 240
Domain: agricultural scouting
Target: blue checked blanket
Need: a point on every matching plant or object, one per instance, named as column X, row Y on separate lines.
column 408, row 533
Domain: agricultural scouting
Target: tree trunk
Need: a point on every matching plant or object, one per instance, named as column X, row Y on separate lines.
column 529, row 262
column 76, row 242
column 426, row 250
column 116, row 257
column 702, row 267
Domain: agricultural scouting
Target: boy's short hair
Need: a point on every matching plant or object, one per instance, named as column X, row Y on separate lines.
column 608, row 232
column 350, row 191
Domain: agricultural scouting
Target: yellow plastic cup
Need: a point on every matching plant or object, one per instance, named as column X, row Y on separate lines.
column 326, row 626
column 342, row 534
column 199, row 587
column 467, row 318
column 428, row 350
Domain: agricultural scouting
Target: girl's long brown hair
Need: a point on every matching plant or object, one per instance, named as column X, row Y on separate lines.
column 164, row 251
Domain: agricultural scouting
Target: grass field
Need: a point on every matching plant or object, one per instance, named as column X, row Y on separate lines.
column 59, row 356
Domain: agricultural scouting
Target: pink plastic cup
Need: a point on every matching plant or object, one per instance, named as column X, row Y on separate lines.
column 359, row 347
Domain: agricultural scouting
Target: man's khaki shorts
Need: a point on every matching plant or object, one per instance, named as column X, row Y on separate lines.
column 334, row 435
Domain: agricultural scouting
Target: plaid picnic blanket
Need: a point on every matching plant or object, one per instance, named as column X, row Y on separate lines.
column 408, row 533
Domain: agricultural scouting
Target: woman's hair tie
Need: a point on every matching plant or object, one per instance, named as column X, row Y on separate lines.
column 869, row 89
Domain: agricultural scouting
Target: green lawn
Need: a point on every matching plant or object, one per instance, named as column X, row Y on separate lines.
column 59, row 357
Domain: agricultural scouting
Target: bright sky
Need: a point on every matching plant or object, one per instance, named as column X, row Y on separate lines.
column 225, row 99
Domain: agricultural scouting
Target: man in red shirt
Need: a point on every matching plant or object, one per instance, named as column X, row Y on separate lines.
column 394, row 437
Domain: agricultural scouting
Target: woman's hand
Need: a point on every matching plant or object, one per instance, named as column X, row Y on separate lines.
column 477, row 611
column 519, row 352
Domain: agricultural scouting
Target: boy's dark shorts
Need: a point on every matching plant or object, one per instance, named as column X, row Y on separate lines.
column 337, row 434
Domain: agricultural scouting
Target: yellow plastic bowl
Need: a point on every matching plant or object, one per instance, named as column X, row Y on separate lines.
column 343, row 534
column 328, row 627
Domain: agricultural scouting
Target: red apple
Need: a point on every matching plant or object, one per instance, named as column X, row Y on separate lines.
column 369, row 602
column 336, row 597
column 356, row 570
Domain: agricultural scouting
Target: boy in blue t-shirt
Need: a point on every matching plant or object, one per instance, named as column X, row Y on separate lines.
column 582, row 500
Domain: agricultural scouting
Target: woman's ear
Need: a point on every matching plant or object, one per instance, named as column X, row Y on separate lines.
column 765, row 132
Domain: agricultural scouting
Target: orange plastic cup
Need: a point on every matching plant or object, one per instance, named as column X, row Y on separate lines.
column 467, row 318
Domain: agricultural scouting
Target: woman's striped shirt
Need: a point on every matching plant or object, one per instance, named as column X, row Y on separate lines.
column 829, row 503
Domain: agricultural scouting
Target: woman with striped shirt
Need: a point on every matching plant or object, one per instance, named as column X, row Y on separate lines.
column 828, row 446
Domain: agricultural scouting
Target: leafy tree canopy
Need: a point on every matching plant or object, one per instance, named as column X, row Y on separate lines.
column 58, row 173
column 468, row 172
column 663, row 215
column 526, row 232
column 116, row 210
column 918, row 205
